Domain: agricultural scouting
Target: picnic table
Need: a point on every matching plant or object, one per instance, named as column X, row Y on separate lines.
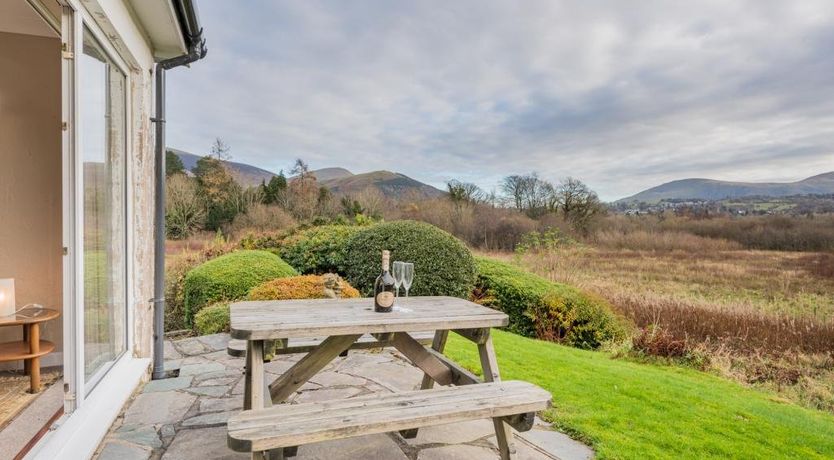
column 337, row 325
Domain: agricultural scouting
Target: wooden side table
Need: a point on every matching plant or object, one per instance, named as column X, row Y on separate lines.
column 31, row 348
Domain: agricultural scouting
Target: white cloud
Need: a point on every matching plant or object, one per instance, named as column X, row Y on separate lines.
column 623, row 95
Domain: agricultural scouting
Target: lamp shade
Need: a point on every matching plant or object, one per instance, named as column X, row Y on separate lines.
column 7, row 305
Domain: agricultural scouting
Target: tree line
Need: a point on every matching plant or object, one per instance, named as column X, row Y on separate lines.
column 211, row 199
column 535, row 197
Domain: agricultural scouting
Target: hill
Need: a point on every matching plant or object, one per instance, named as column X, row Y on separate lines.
column 338, row 180
column 708, row 189
column 391, row 184
column 326, row 174
column 245, row 174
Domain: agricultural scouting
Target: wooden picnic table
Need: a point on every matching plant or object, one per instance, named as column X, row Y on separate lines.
column 343, row 321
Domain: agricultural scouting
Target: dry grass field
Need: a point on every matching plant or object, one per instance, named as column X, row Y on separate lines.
column 793, row 283
column 765, row 318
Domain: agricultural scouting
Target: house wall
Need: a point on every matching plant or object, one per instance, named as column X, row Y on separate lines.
column 30, row 176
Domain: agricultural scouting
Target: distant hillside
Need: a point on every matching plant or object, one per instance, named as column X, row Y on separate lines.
column 326, row 174
column 707, row 189
column 244, row 174
column 391, row 184
column 338, row 180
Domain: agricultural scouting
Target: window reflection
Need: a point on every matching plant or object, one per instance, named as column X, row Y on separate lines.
column 101, row 91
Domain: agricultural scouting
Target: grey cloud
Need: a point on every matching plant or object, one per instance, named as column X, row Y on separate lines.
column 621, row 94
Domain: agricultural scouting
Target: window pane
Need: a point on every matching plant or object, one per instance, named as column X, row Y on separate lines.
column 102, row 137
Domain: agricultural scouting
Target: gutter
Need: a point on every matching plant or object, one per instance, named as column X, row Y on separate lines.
column 193, row 34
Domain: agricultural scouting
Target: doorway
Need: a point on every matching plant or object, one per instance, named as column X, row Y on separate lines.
column 31, row 210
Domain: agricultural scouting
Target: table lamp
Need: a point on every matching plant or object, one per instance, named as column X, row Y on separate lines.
column 7, row 305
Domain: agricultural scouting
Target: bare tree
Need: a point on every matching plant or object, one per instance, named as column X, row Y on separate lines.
column 301, row 169
column 372, row 201
column 527, row 193
column 303, row 191
column 464, row 192
column 220, row 149
column 514, row 186
column 578, row 203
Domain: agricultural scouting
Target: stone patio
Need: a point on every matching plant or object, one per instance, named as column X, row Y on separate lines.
column 185, row 417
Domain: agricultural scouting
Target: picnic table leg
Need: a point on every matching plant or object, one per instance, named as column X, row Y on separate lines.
column 255, row 392
column 437, row 344
column 296, row 376
column 489, row 365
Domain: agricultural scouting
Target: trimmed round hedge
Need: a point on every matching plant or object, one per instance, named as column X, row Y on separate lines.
column 318, row 250
column 546, row 310
column 230, row 277
column 301, row 287
column 443, row 265
column 212, row 319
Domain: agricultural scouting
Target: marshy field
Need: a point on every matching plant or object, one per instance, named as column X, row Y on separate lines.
column 763, row 318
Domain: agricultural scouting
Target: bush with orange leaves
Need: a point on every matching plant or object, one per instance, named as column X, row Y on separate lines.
column 304, row 287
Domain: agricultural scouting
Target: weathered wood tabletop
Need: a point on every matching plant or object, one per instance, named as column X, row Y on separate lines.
column 287, row 319
column 343, row 321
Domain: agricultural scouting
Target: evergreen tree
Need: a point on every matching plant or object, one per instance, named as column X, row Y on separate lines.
column 173, row 164
column 275, row 190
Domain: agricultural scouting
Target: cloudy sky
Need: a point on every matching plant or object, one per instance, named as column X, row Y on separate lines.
column 621, row 94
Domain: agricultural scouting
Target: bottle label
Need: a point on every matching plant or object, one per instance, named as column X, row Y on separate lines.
column 385, row 299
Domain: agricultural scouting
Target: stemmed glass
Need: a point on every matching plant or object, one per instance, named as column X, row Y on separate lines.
column 397, row 273
column 407, row 276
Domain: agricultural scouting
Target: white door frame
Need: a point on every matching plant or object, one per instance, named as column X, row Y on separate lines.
column 74, row 20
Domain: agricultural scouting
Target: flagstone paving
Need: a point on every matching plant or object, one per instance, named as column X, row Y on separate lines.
column 185, row 417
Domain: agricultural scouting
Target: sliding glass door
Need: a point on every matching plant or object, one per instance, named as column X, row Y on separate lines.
column 101, row 96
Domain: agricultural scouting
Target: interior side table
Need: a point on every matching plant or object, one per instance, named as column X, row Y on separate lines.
column 31, row 348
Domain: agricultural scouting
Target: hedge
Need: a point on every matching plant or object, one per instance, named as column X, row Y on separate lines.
column 442, row 264
column 212, row 319
column 540, row 308
column 301, row 287
column 230, row 277
column 318, row 250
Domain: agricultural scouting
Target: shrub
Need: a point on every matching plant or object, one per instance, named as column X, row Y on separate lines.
column 185, row 213
column 262, row 218
column 212, row 319
column 303, row 287
column 264, row 240
column 442, row 264
column 738, row 329
column 318, row 249
column 656, row 341
column 176, row 268
column 230, row 277
column 480, row 225
column 546, row 310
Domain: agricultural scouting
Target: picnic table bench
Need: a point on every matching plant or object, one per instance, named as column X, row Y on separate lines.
column 338, row 325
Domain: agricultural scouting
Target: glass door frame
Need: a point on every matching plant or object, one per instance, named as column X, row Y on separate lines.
column 76, row 21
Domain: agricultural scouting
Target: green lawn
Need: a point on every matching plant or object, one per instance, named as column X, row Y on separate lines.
column 632, row 410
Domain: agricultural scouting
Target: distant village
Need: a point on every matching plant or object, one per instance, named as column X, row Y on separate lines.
column 742, row 206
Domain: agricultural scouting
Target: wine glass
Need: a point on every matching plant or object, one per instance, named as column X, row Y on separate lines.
column 407, row 276
column 397, row 273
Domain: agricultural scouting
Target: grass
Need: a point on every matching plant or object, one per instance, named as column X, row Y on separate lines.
column 626, row 409
column 761, row 318
column 792, row 283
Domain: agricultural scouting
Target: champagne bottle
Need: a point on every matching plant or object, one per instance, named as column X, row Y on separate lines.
column 384, row 287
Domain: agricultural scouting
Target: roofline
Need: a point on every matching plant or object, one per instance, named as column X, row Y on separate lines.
column 192, row 32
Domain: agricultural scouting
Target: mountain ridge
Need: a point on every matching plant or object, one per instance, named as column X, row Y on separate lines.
column 712, row 189
column 338, row 180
